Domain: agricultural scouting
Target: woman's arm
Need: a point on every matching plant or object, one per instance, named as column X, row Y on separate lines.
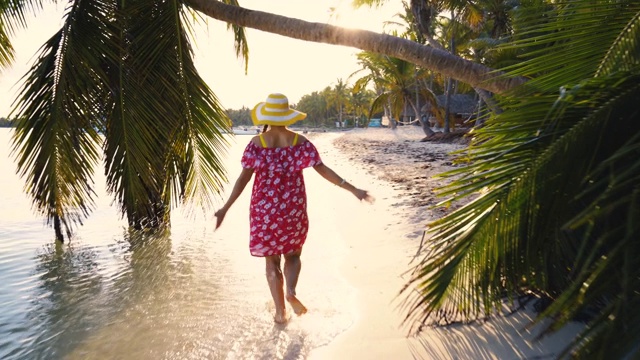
column 331, row 176
column 239, row 186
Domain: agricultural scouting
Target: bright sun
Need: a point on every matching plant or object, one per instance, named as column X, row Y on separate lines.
column 342, row 13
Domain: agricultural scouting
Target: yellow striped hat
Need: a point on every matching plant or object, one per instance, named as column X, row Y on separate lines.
column 275, row 111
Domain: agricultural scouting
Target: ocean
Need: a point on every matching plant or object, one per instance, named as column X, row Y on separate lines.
column 194, row 293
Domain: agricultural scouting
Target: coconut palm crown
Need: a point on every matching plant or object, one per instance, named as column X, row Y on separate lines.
column 117, row 82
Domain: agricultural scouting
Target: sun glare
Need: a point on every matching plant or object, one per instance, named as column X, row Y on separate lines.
column 309, row 66
column 343, row 14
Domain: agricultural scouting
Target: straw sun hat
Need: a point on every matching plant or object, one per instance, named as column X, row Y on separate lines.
column 275, row 111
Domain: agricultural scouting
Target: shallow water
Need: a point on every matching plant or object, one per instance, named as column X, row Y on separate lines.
column 190, row 294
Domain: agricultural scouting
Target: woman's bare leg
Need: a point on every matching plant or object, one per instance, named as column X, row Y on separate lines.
column 292, row 266
column 276, row 285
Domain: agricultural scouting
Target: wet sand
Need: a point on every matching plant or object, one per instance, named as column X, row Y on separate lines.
column 383, row 240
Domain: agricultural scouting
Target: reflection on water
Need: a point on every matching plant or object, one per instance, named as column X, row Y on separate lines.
column 185, row 294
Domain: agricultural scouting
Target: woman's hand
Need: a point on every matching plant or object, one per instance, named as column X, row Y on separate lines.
column 363, row 195
column 241, row 182
column 220, row 216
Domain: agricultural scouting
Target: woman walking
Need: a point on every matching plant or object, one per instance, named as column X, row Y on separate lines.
column 278, row 209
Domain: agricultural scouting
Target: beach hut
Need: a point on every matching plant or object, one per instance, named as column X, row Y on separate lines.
column 462, row 108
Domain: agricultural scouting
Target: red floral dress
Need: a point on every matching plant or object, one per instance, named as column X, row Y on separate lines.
column 278, row 210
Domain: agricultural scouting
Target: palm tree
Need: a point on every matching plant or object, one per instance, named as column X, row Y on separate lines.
column 315, row 105
column 398, row 80
column 556, row 183
column 425, row 56
column 360, row 103
column 373, row 75
column 520, row 235
column 458, row 35
column 423, row 20
column 338, row 98
column 117, row 82
column 557, row 172
column 115, row 50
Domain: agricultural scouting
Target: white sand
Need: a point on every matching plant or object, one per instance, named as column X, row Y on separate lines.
column 383, row 239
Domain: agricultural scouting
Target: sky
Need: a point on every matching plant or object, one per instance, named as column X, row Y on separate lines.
column 276, row 63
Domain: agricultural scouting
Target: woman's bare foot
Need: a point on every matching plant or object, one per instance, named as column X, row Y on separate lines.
column 281, row 318
column 297, row 306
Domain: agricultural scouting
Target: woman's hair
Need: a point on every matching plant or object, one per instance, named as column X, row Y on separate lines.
column 264, row 129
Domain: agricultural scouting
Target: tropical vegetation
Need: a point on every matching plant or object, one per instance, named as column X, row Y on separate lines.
column 240, row 117
column 553, row 172
column 398, row 87
column 339, row 103
column 556, row 181
column 116, row 82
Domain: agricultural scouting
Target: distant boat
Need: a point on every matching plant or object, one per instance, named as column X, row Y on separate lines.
column 243, row 130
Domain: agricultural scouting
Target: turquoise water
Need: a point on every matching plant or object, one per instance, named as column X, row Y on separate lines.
column 190, row 294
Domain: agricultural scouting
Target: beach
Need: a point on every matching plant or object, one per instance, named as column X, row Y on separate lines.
column 196, row 293
column 383, row 242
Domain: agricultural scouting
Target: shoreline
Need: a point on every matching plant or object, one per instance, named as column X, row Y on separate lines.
column 401, row 169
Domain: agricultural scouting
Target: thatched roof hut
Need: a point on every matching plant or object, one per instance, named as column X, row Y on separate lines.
column 462, row 105
column 461, row 109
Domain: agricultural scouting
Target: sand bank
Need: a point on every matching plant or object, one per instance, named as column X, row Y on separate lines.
column 398, row 169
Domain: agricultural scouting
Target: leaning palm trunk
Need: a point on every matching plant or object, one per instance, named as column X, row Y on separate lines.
column 447, row 106
column 387, row 114
column 423, row 55
column 424, row 124
column 488, row 100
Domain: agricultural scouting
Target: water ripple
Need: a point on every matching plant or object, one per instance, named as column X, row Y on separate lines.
column 115, row 293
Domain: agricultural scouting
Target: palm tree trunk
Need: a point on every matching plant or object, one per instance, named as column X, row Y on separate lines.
column 405, row 115
column 417, row 108
column 476, row 75
column 449, row 87
column 57, row 228
column 479, row 119
column 425, row 124
column 447, row 105
column 387, row 113
column 423, row 15
column 487, row 97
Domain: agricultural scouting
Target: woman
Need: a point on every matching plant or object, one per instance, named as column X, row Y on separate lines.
column 278, row 210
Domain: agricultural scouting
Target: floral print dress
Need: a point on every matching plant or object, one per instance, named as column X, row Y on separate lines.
column 278, row 210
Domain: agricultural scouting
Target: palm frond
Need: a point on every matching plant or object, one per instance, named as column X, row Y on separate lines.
column 56, row 142
column 556, row 56
column 240, row 44
column 165, row 133
column 13, row 15
column 556, row 178
column 205, row 123
column 379, row 103
column 7, row 53
column 128, row 72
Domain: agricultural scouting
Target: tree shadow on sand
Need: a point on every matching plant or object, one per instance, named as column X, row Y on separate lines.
column 509, row 336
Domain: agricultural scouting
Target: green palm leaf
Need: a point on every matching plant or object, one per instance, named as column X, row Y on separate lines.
column 555, row 179
column 56, row 141
column 6, row 49
column 126, row 70
column 166, row 129
column 240, row 37
column 13, row 14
